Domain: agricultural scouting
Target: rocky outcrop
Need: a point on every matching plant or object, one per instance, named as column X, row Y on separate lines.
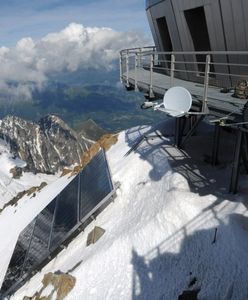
column 105, row 142
column 46, row 146
column 61, row 283
column 16, row 172
column 29, row 192
column 90, row 130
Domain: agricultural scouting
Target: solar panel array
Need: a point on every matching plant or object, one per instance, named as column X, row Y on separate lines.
column 58, row 220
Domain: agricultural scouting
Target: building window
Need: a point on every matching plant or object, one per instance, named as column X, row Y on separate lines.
column 197, row 24
column 164, row 37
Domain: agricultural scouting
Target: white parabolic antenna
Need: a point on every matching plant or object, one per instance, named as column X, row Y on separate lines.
column 177, row 101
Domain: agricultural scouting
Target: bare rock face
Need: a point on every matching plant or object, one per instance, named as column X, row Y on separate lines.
column 91, row 130
column 62, row 284
column 46, row 146
column 16, row 172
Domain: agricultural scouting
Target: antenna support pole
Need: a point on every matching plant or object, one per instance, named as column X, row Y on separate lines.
column 151, row 94
column 206, row 84
column 236, row 162
column 136, row 72
column 172, row 70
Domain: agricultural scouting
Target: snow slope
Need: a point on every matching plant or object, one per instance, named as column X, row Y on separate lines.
column 159, row 231
column 10, row 187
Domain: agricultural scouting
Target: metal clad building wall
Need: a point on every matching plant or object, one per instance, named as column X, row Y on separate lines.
column 153, row 30
column 214, row 26
column 75, row 203
column 231, row 13
column 226, row 19
column 235, row 23
column 165, row 9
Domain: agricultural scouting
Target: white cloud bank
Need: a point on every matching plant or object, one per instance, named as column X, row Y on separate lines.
column 76, row 47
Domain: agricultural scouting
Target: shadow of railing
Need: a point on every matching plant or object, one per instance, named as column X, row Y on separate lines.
column 202, row 262
column 155, row 145
column 147, row 142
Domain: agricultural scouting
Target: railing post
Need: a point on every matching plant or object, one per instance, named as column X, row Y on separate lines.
column 151, row 94
column 120, row 66
column 172, row 70
column 206, row 84
column 136, row 72
column 139, row 56
column 127, row 69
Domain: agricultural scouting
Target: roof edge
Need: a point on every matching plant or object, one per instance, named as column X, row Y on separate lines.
column 150, row 3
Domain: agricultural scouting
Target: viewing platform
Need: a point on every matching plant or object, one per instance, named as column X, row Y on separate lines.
column 217, row 82
column 210, row 77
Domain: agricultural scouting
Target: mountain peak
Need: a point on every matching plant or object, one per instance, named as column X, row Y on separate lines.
column 46, row 146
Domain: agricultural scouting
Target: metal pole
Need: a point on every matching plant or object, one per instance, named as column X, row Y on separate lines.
column 136, row 72
column 245, row 152
column 206, row 83
column 127, row 69
column 215, row 152
column 139, row 56
column 120, row 66
column 236, row 162
column 192, row 130
column 177, row 132
column 172, row 70
column 151, row 94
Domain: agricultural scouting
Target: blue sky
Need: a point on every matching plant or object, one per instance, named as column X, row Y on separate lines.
column 36, row 18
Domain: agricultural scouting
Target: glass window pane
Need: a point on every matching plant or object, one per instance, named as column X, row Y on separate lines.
column 38, row 250
column 66, row 212
column 95, row 184
column 16, row 263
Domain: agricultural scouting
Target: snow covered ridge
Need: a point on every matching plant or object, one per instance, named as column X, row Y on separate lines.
column 11, row 187
column 46, row 146
column 173, row 227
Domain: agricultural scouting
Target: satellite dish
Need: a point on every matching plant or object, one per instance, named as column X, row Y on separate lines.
column 177, row 101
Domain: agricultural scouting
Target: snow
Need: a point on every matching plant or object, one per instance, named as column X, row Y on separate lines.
column 10, row 187
column 159, row 230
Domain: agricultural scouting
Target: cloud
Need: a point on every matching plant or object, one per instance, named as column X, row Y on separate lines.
column 29, row 63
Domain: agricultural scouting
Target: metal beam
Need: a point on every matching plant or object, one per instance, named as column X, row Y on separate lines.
column 216, row 144
column 177, row 132
column 192, row 130
column 236, row 163
column 244, row 152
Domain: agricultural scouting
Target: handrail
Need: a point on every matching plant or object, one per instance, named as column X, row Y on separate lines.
column 222, row 69
column 188, row 52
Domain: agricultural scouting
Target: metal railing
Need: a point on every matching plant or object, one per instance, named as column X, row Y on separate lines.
column 221, row 69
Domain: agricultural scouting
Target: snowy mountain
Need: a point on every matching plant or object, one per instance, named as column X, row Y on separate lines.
column 46, row 146
column 11, row 186
column 172, row 228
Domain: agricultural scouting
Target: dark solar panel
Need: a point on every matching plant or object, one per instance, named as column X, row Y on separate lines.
column 94, row 188
column 79, row 199
column 15, row 268
column 66, row 215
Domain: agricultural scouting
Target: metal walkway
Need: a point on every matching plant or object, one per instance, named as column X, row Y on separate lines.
column 153, row 72
column 211, row 78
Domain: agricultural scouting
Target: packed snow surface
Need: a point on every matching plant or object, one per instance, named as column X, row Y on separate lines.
column 159, row 231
